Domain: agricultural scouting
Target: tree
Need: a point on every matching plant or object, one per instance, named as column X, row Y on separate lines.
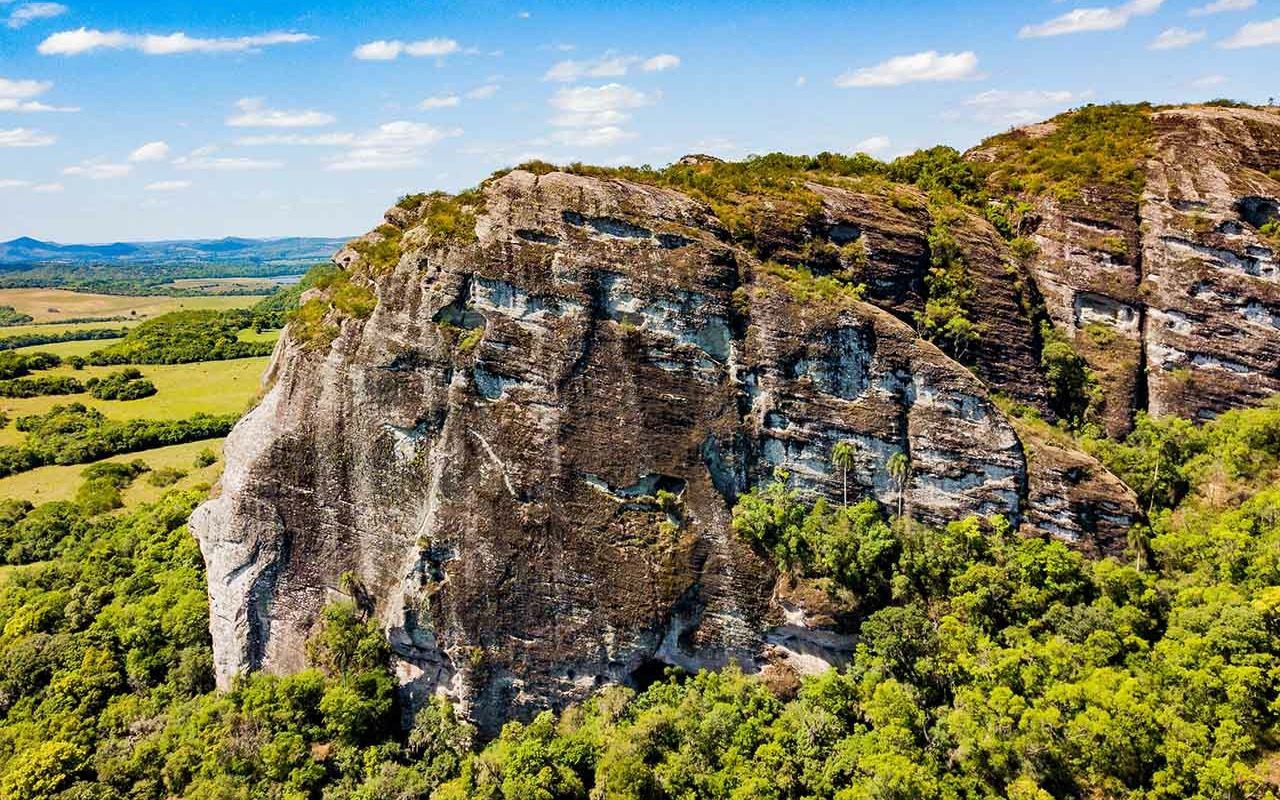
column 899, row 470
column 842, row 456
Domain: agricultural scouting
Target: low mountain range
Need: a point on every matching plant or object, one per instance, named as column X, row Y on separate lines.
column 26, row 251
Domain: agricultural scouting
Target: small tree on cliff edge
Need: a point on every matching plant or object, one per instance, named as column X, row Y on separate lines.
column 842, row 457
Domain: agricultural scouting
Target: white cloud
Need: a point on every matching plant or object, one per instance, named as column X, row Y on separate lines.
column 1020, row 107
column 1083, row 20
column 1208, row 81
column 393, row 145
column 607, row 66
column 661, row 63
column 801, row 80
column 256, row 114
column 22, row 89
column 25, row 137
column 599, row 99
column 151, row 151
column 389, row 50
column 85, row 40
column 523, row 15
column 32, row 106
column 1173, row 38
column 483, row 92
column 872, row 145
column 591, row 137
column 201, row 160
column 1255, row 34
column 10, row 183
column 1222, row 5
column 587, row 119
column 432, row 103
column 47, row 187
column 293, row 139
column 927, row 66
column 167, row 186
column 98, row 171
column 30, row 12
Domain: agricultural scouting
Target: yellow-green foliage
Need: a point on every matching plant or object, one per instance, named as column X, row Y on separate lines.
column 381, row 256
column 449, row 218
column 803, row 285
column 743, row 194
column 315, row 323
column 1092, row 145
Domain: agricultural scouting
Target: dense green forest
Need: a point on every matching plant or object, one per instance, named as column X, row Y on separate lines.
column 182, row 337
column 988, row 665
column 130, row 280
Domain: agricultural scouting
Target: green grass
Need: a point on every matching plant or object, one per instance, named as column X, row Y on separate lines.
column 53, row 305
column 249, row 335
column 65, row 350
column 47, row 484
column 214, row 387
column 60, row 327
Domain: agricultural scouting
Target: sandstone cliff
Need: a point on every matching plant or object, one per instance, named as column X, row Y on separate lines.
column 522, row 460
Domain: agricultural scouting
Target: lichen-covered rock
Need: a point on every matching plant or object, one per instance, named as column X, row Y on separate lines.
column 523, row 461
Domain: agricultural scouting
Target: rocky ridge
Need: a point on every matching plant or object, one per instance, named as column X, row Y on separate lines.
column 523, row 461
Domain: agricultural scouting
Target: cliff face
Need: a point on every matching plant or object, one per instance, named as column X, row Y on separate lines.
column 523, row 461
column 1172, row 296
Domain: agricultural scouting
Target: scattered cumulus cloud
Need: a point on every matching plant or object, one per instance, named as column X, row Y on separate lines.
column 390, row 50
column 1208, row 81
column 1084, row 20
column 1222, row 5
column 591, row 137
column 151, row 151
column 609, row 65
column 25, row 137
column 22, row 89
column 661, row 63
column 86, row 40
column 1173, row 38
column 916, row 68
column 47, row 188
column 1255, row 34
column 1023, row 106
column 15, row 95
column 591, row 116
column 254, row 113
column 98, row 170
column 872, row 145
column 203, row 159
column 483, row 92
column 293, row 139
column 599, row 100
column 30, row 12
column 433, row 103
column 392, row 145
column 167, row 186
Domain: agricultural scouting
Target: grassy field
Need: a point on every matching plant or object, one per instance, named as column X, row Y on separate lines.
column 60, row 483
column 54, row 305
column 60, row 327
column 260, row 285
column 214, row 387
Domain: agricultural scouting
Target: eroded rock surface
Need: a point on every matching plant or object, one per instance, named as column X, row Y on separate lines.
column 479, row 462
column 1173, row 297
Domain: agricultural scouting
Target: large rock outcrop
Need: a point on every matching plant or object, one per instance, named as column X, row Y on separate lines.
column 479, row 463
column 1172, row 295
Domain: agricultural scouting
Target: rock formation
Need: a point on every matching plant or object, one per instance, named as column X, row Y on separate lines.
column 522, row 462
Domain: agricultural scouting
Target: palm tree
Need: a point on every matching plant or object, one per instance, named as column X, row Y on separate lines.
column 899, row 471
column 842, row 456
column 1139, row 539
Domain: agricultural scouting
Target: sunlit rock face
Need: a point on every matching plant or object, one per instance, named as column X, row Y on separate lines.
column 478, row 464
column 1173, row 296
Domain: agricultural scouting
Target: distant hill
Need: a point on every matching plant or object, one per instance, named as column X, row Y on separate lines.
column 26, row 251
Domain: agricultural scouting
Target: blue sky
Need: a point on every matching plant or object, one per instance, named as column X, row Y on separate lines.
column 143, row 120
